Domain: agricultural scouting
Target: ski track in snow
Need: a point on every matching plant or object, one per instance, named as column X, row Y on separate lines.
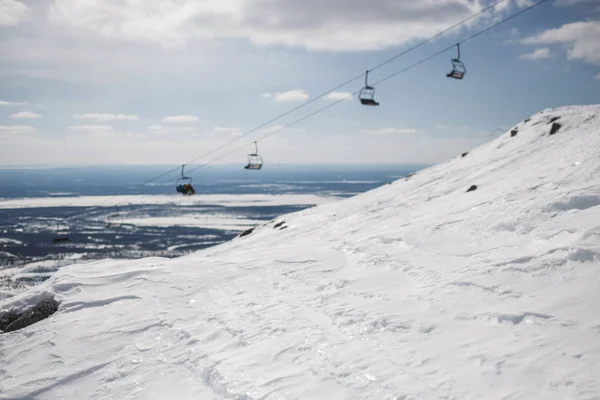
column 414, row 290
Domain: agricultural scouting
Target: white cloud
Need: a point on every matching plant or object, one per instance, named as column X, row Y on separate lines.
column 25, row 115
column 513, row 36
column 17, row 128
column 180, row 119
column 15, row 131
column 107, row 117
column 514, row 32
column 573, row 2
column 537, row 54
column 231, row 131
column 273, row 128
column 12, row 103
column 339, row 95
column 291, row 96
column 581, row 38
column 338, row 25
column 135, row 135
column 156, row 128
column 92, row 128
column 11, row 11
column 162, row 130
column 393, row 131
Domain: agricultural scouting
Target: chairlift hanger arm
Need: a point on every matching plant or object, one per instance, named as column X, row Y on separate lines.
column 367, row 86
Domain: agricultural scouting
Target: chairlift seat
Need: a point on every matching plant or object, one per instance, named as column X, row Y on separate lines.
column 254, row 162
column 115, row 220
column 184, row 184
column 369, row 102
column 456, row 74
column 59, row 239
column 60, row 234
column 458, row 69
column 185, row 188
column 367, row 95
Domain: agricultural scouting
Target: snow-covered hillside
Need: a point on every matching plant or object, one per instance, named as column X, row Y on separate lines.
column 415, row 290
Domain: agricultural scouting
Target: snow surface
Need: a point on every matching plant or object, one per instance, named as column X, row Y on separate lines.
column 414, row 290
column 198, row 220
column 4, row 242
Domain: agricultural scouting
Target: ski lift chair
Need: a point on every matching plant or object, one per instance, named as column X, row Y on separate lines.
column 458, row 68
column 367, row 93
column 60, row 235
column 115, row 220
column 60, row 238
column 184, row 184
column 254, row 160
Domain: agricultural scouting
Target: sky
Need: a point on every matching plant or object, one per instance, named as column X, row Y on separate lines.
column 94, row 82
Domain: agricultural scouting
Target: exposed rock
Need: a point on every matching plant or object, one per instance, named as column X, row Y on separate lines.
column 555, row 127
column 472, row 188
column 278, row 225
column 514, row 132
column 553, row 119
column 7, row 319
column 464, row 154
column 43, row 310
column 527, row 120
column 410, row 176
column 246, row 232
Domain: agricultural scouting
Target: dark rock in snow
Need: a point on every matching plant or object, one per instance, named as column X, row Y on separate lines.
column 514, row 132
column 283, row 227
column 472, row 188
column 553, row 119
column 410, row 176
column 43, row 310
column 464, row 154
column 278, row 225
column 246, row 232
column 555, row 127
column 527, row 120
column 8, row 319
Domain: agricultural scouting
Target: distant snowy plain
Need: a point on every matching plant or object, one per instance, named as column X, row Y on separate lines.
column 414, row 290
column 233, row 200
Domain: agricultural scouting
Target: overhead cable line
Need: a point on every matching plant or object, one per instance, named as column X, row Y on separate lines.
column 320, row 96
column 318, row 111
column 388, row 77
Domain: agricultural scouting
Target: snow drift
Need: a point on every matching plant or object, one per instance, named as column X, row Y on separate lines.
column 415, row 290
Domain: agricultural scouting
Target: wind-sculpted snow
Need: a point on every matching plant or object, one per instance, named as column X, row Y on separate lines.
column 415, row 290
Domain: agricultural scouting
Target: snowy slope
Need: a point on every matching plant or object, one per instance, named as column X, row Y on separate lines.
column 415, row 290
